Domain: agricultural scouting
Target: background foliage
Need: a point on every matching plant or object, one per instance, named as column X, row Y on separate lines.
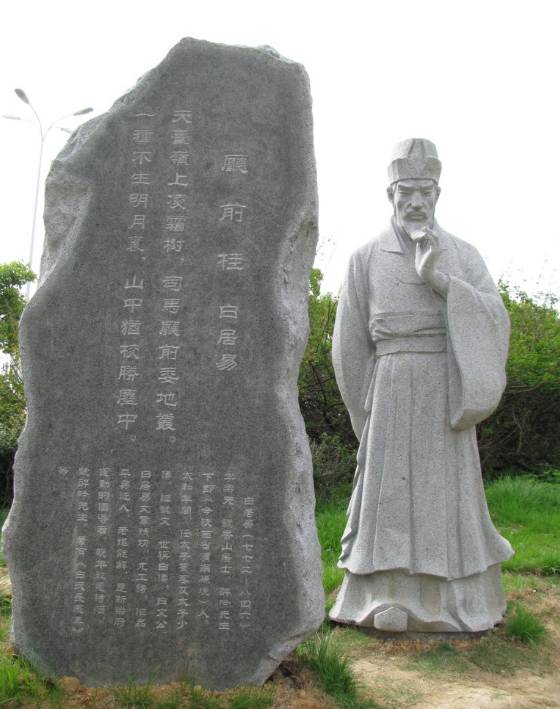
column 12, row 403
column 524, row 432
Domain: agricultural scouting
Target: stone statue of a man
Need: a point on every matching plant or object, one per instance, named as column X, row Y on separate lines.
column 419, row 351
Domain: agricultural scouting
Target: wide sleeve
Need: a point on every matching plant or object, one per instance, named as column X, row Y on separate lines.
column 478, row 335
column 353, row 350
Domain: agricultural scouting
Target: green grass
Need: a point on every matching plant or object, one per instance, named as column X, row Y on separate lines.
column 349, row 640
column 17, row 680
column 174, row 701
column 396, row 693
column 138, row 696
column 491, row 654
column 141, row 696
column 504, row 657
column 253, row 698
column 199, row 699
column 527, row 513
column 523, row 625
column 331, row 667
column 522, row 582
column 331, row 519
column 20, row 684
column 324, row 655
column 441, row 659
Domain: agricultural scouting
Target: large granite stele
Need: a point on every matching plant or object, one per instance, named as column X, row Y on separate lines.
column 163, row 525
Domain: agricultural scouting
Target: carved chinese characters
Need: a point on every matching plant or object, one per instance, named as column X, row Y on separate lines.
column 163, row 521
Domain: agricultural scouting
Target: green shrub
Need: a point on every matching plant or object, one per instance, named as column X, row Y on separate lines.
column 16, row 679
column 334, row 464
column 321, row 405
column 12, row 403
column 21, row 685
column 523, row 625
column 331, row 667
column 524, row 431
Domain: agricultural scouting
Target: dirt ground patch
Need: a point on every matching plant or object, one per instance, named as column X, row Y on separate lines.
column 391, row 686
column 493, row 671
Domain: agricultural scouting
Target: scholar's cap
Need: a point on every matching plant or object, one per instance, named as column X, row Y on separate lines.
column 415, row 158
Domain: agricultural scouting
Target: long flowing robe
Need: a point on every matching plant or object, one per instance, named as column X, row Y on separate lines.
column 417, row 371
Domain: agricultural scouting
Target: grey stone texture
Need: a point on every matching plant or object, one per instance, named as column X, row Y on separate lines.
column 163, row 521
column 419, row 350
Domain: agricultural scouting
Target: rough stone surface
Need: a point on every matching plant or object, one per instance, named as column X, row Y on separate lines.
column 162, row 525
column 419, row 350
column 392, row 619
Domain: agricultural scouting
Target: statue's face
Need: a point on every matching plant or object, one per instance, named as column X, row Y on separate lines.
column 414, row 202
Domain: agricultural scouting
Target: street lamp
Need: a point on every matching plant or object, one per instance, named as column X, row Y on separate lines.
column 20, row 93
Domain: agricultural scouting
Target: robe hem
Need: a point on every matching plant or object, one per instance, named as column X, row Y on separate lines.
column 423, row 572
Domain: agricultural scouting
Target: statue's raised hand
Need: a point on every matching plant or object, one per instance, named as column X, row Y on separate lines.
column 426, row 258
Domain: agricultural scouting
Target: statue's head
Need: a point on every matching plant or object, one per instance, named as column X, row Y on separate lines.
column 413, row 190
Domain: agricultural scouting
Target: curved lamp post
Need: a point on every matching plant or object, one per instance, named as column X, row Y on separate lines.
column 20, row 93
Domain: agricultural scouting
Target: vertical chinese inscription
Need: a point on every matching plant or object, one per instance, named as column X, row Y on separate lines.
column 247, row 566
column 163, row 550
column 184, row 565
column 205, row 535
column 140, row 203
column 231, row 214
column 141, row 574
column 121, row 573
column 80, row 548
column 103, row 527
column 227, row 550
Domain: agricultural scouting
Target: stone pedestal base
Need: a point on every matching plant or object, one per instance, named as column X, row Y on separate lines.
column 396, row 602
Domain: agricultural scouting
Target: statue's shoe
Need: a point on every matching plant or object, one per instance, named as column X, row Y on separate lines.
column 392, row 619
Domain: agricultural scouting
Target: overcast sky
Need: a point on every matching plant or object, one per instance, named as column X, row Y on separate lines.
column 480, row 79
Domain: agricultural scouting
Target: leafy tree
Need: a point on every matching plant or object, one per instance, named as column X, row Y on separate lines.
column 524, row 431
column 319, row 397
column 333, row 444
column 12, row 403
column 12, row 276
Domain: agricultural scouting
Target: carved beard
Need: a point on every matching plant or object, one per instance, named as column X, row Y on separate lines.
column 412, row 225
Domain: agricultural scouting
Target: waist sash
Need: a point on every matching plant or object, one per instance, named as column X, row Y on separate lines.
column 415, row 343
